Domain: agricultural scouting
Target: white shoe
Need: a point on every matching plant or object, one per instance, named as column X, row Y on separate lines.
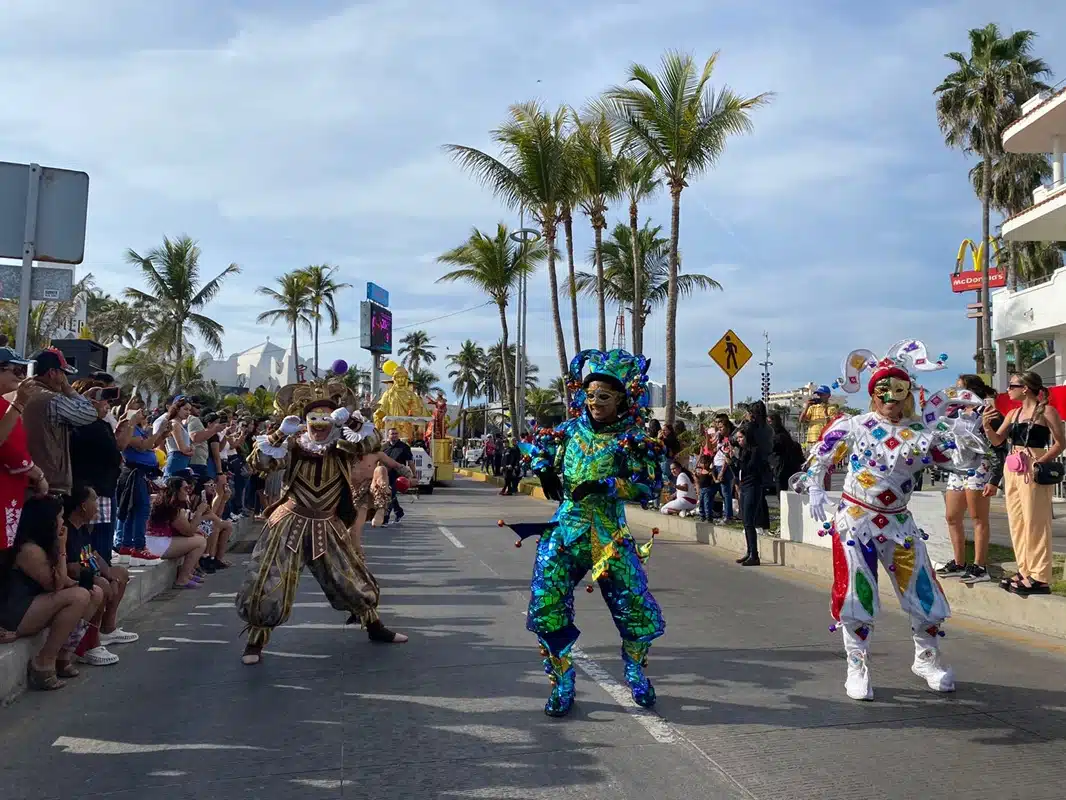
column 118, row 636
column 857, row 684
column 98, row 657
column 929, row 665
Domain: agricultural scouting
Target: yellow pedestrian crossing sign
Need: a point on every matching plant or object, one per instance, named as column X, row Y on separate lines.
column 730, row 354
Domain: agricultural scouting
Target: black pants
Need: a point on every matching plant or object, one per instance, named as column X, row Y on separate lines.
column 511, row 476
column 394, row 505
column 752, row 501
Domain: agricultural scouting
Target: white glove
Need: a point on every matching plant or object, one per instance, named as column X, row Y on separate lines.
column 818, row 500
column 350, row 435
column 290, row 425
column 340, row 416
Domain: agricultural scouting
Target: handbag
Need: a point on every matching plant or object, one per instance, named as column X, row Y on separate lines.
column 1048, row 473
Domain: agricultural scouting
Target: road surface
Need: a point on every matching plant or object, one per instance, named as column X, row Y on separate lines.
column 751, row 701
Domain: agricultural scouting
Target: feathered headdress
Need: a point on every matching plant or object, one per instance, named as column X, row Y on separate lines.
column 630, row 371
column 298, row 398
column 904, row 360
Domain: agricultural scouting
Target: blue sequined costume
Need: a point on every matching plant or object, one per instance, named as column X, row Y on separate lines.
column 611, row 463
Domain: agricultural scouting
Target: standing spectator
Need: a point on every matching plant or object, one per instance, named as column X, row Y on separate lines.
column 973, row 493
column 788, row 454
column 52, row 410
column 398, row 451
column 497, row 460
column 685, row 497
column 724, row 476
column 178, row 444
column 705, row 478
column 133, row 493
column 96, row 461
column 37, row 594
column 87, row 566
column 488, row 456
column 1035, row 435
column 512, row 468
column 751, row 466
column 203, row 426
column 18, row 474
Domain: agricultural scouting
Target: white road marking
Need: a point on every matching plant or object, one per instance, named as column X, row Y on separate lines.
column 167, row 773
column 319, row 626
column 197, row 614
column 292, row 655
column 223, row 594
column 320, row 722
column 161, row 649
column 451, row 537
column 290, row 686
column 83, row 747
column 318, row 783
column 323, row 604
column 659, row 728
column 182, row 640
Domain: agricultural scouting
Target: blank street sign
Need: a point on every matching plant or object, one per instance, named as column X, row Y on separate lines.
column 49, row 283
column 61, row 212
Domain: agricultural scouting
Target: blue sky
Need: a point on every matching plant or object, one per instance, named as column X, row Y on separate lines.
column 281, row 134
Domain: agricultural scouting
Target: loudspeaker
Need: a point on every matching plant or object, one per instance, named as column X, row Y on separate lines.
column 85, row 355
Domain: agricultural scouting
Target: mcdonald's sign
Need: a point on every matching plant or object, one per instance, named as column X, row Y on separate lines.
column 970, row 280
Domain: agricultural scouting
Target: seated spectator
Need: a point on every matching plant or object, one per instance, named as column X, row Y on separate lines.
column 133, row 501
column 84, row 563
column 37, row 593
column 214, row 494
column 173, row 534
column 685, row 499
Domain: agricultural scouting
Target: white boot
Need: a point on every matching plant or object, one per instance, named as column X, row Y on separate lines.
column 929, row 663
column 857, row 684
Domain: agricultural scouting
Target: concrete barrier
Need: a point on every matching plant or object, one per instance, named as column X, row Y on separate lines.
column 1044, row 614
column 146, row 583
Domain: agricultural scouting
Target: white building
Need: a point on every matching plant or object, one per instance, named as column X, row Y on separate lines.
column 1038, row 312
column 656, row 394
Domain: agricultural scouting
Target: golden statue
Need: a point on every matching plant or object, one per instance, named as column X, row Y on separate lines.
column 400, row 406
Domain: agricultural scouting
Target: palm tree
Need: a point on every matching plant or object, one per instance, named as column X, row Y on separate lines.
column 638, row 183
column 597, row 175
column 175, row 296
column 157, row 372
column 49, row 319
column 466, row 375
column 424, row 381
column 496, row 358
column 534, row 175
column 322, row 293
column 415, row 349
column 558, row 388
column 540, row 403
column 292, row 303
column 681, row 125
column 618, row 272
column 357, row 379
column 974, row 104
column 493, row 265
column 113, row 320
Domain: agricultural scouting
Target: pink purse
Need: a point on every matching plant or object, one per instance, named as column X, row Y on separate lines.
column 1017, row 463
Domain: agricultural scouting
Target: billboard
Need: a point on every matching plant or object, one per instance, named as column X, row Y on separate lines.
column 970, row 280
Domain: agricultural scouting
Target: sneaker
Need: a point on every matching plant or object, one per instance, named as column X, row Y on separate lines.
column 206, row 565
column 99, row 656
column 950, row 569
column 857, row 684
column 139, row 557
column 975, row 574
column 929, row 665
column 118, row 636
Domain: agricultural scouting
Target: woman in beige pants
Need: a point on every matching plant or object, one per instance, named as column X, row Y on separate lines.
column 1034, row 431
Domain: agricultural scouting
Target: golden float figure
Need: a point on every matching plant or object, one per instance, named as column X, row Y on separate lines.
column 401, row 407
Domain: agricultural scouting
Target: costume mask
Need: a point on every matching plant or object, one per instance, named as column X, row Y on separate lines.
column 890, row 393
column 319, row 424
column 602, row 400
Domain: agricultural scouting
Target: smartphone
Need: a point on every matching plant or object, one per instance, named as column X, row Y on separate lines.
column 111, row 393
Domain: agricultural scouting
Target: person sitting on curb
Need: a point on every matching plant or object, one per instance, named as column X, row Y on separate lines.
column 173, row 534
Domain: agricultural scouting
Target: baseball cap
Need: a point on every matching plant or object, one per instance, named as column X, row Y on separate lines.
column 9, row 356
column 50, row 359
column 822, row 390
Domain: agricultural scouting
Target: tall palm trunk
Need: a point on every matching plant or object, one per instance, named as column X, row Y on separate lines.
column 986, row 306
column 316, row 341
column 553, row 285
column 462, row 417
column 568, row 229
column 601, row 300
column 638, row 300
column 508, row 380
column 671, row 305
column 295, row 355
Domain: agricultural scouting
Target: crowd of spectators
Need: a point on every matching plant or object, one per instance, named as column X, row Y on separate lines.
column 92, row 483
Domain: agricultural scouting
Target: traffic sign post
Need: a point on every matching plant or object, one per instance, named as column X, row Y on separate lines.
column 731, row 354
column 42, row 218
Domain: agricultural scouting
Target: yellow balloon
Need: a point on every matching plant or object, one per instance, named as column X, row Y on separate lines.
column 161, row 457
column 389, row 367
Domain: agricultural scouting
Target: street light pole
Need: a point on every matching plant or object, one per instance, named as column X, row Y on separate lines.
column 524, row 236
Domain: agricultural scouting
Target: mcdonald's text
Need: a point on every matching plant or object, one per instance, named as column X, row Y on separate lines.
column 970, row 280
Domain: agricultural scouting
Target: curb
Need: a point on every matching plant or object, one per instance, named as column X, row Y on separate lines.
column 146, row 583
column 986, row 602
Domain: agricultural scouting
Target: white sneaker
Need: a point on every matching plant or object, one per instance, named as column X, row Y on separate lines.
column 929, row 665
column 118, row 636
column 98, row 657
column 857, row 684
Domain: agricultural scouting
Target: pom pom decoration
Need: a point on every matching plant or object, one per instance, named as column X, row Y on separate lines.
column 500, row 523
column 339, row 367
column 590, row 588
column 402, row 484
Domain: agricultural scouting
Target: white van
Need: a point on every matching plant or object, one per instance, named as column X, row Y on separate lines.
column 424, row 469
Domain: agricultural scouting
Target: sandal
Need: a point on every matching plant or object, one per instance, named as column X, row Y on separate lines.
column 1013, row 580
column 42, row 680
column 1036, row 587
column 65, row 669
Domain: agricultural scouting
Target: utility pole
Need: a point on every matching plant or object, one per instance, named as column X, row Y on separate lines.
column 766, row 370
column 524, row 236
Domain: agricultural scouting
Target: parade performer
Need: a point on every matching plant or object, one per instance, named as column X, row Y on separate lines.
column 604, row 459
column 309, row 524
column 886, row 450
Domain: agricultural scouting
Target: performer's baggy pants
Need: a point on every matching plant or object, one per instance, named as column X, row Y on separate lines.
column 560, row 567
column 292, row 538
column 855, row 602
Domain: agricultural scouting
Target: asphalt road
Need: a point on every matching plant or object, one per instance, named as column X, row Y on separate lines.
column 750, row 684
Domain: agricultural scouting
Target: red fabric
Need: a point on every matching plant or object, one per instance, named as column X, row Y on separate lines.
column 15, row 462
column 886, row 372
column 841, row 577
column 1056, row 399
column 90, row 640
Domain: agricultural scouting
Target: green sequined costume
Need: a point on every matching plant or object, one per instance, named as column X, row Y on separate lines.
column 612, row 464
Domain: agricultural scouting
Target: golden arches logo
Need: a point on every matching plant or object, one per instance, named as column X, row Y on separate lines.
column 970, row 280
column 977, row 251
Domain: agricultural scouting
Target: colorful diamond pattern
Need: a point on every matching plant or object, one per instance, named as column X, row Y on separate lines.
column 902, row 517
column 892, row 443
column 906, row 435
column 880, row 520
column 870, row 423
column 906, row 486
column 887, row 497
column 879, row 433
column 856, row 512
column 866, row 479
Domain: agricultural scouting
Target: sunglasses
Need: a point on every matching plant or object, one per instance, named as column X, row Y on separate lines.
column 1015, row 385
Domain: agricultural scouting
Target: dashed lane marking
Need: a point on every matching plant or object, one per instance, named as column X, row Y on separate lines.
column 451, row 537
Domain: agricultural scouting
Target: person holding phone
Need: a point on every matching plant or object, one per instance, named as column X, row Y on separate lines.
column 96, row 461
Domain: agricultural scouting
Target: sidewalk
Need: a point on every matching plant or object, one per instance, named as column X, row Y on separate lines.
column 985, row 602
column 146, row 583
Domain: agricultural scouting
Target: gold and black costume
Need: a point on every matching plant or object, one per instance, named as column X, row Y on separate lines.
column 309, row 524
